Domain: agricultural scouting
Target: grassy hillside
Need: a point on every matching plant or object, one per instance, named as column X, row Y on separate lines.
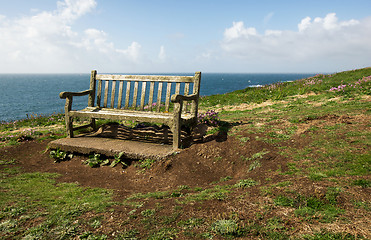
column 284, row 161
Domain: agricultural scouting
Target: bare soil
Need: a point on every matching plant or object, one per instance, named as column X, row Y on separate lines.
column 200, row 165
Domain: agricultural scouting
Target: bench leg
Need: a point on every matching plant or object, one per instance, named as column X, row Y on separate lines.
column 176, row 125
column 176, row 137
column 69, row 127
column 92, row 124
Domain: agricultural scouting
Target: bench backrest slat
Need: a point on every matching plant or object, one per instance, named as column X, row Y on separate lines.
column 113, row 94
column 106, row 86
column 99, row 92
column 135, row 97
column 159, row 97
column 144, row 85
column 151, row 91
column 127, row 96
column 186, row 93
column 167, row 100
column 119, row 100
column 142, row 91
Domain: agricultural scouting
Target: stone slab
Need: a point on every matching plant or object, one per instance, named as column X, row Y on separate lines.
column 112, row 147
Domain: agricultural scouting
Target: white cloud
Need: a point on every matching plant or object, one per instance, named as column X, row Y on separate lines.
column 46, row 42
column 237, row 31
column 320, row 42
column 268, row 17
column 162, row 54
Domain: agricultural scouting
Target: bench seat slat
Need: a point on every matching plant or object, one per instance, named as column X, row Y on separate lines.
column 120, row 114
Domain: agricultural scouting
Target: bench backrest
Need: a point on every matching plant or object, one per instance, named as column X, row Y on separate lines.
column 142, row 92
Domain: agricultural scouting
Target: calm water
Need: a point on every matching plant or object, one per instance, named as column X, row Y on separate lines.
column 26, row 94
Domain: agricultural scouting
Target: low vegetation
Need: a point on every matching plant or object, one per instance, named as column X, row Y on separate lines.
column 307, row 177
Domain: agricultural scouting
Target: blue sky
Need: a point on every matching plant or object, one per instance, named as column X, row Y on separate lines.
column 76, row 36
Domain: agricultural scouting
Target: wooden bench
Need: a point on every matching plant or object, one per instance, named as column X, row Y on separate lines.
column 138, row 98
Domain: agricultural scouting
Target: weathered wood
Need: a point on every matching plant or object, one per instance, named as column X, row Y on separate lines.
column 150, row 78
column 92, row 88
column 143, row 95
column 99, row 94
column 113, row 92
column 179, row 115
column 127, row 96
column 159, row 96
column 196, row 90
column 167, row 100
column 119, row 100
column 151, row 91
column 106, row 86
column 186, row 93
column 135, row 97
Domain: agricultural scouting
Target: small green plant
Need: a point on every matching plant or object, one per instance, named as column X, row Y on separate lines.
column 119, row 159
column 146, row 163
column 362, row 182
column 59, row 155
column 95, row 160
column 226, row 227
column 245, row 183
column 148, row 212
column 254, row 165
column 258, row 155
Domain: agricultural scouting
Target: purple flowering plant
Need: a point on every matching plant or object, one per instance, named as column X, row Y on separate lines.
column 210, row 118
column 356, row 85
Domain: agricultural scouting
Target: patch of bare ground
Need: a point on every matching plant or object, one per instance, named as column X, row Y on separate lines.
column 221, row 159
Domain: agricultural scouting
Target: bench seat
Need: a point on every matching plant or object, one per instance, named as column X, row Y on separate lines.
column 122, row 115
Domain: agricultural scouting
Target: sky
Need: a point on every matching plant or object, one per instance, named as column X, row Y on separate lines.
column 177, row 36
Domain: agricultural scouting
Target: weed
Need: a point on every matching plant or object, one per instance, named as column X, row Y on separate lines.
column 191, row 223
column 365, row 183
column 245, row 183
column 119, row 159
column 96, row 160
column 59, row 155
column 7, row 162
column 325, row 234
column 257, row 155
column 226, row 227
column 148, row 212
column 254, row 165
column 145, row 164
column 284, row 201
column 163, row 234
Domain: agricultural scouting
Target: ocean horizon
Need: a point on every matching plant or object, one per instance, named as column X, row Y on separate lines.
column 23, row 95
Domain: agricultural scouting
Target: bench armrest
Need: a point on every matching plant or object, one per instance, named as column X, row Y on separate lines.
column 178, row 98
column 64, row 95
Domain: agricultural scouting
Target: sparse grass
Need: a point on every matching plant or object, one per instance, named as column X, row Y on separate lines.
column 37, row 196
column 313, row 133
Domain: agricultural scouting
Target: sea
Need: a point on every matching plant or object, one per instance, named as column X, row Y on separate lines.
column 26, row 95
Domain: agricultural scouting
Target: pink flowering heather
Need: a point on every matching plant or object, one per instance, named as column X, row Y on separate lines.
column 210, row 118
column 351, row 85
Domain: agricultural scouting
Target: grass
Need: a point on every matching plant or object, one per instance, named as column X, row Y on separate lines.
column 30, row 196
column 318, row 128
